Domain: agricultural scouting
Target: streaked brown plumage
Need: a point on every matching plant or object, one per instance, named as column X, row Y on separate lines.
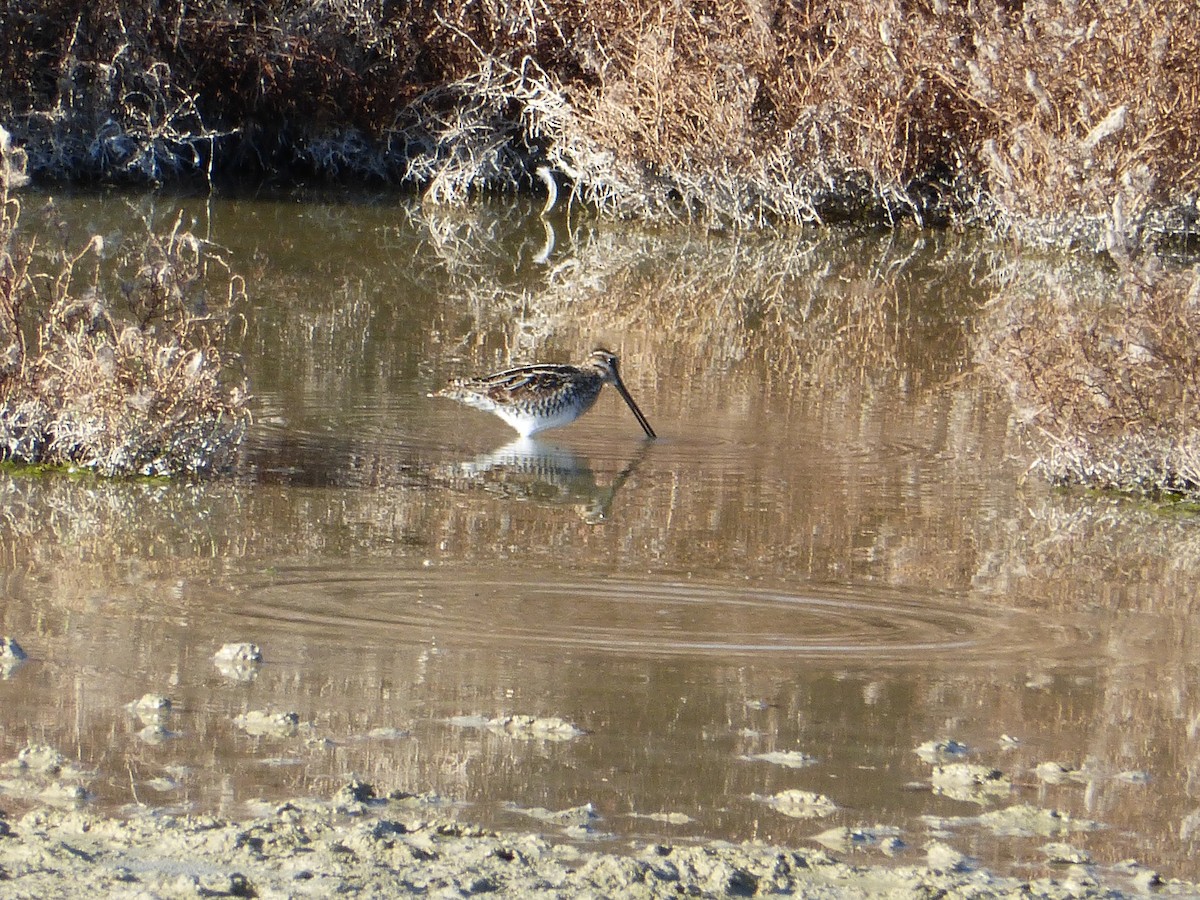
column 534, row 398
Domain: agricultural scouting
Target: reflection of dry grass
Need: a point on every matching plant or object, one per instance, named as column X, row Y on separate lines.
column 1130, row 561
column 1119, row 580
column 1105, row 369
column 797, row 310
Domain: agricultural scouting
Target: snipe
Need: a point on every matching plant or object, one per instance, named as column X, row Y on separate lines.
column 534, row 398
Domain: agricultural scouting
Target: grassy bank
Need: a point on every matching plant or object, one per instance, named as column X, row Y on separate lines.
column 113, row 355
column 1070, row 123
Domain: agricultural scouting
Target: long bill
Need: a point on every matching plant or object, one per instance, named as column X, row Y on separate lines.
column 633, row 407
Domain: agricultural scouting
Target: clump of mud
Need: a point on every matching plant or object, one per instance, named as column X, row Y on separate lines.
column 799, row 804
column 969, row 782
column 40, row 774
column 11, row 656
column 238, row 661
column 522, row 727
column 266, row 723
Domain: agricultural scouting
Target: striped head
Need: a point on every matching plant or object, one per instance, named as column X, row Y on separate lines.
column 605, row 362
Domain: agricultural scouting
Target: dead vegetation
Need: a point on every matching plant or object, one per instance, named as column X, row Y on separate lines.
column 112, row 357
column 1069, row 123
column 1104, row 371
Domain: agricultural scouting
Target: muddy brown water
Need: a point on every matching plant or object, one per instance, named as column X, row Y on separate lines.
column 831, row 550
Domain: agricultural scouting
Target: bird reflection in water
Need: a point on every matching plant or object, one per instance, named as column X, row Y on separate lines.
column 528, row 469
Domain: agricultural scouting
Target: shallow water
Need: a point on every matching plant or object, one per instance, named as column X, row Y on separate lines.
column 832, row 550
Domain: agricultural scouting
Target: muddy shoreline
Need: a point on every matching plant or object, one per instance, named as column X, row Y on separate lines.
column 355, row 844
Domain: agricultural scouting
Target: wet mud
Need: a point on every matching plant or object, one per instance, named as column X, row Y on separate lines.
column 358, row 845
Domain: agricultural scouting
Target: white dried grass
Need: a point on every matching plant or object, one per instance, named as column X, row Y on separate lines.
column 145, row 391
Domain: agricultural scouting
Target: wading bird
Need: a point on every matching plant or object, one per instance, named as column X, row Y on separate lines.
column 534, row 398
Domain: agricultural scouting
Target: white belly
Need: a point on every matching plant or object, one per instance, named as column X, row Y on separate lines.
column 526, row 425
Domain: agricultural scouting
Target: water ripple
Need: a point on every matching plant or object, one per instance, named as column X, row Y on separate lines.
column 636, row 617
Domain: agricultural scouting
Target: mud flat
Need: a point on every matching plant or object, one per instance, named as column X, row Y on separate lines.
column 358, row 845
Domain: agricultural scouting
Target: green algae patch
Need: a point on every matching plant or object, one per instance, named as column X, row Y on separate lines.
column 69, row 471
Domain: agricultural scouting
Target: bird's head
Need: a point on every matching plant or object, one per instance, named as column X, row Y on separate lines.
column 605, row 361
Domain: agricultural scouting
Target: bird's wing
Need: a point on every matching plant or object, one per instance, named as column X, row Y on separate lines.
column 516, row 383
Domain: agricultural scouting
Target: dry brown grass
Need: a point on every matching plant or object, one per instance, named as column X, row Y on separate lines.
column 1069, row 123
column 1104, row 371
column 113, row 356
